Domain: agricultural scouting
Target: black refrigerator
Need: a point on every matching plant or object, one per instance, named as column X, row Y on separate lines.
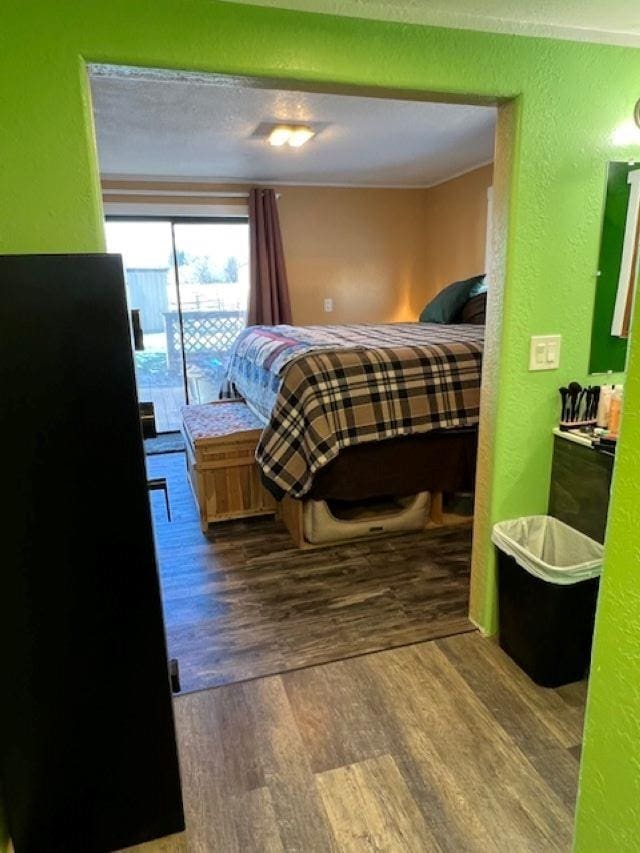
column 88, row 750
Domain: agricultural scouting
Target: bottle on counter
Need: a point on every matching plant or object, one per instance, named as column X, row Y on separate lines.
column 602, row 417
column 615, row 410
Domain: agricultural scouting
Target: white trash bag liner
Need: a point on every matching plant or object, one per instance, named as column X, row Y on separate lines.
column 549, row 549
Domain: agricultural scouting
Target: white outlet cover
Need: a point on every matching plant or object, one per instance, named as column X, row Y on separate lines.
column 328, row 305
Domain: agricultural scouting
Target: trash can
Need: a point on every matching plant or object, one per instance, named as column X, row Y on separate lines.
column 548, row 577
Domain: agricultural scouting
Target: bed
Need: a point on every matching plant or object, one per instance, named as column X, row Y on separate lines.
column 359, row 411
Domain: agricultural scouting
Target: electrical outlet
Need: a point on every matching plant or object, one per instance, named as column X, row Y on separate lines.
column 328, row 305
column 545, row 352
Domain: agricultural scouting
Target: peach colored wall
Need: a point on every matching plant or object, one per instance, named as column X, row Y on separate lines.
column 360, row 247
column 381, row 254
column 378, row 253
column 455, row 227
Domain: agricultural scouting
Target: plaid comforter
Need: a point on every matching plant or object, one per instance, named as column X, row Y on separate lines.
column 322, row 388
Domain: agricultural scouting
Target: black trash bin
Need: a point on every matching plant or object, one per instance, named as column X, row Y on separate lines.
column 548, row 577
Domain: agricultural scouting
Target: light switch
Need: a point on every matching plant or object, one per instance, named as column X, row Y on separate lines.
column 328, row 305
column 545, row 352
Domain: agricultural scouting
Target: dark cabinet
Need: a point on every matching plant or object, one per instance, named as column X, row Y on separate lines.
column 580, row 486
column 88, row 751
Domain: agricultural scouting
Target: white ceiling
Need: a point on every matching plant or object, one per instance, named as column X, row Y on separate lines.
column 609, row 21
column 171, row 124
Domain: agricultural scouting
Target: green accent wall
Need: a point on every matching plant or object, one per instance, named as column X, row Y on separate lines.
column 607, row 352
column 554, row 145
column 608, row 816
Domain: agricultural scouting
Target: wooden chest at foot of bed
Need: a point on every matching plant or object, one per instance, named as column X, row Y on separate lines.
column 221, row 441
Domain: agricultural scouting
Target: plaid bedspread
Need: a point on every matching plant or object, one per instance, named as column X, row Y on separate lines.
column 322, row 388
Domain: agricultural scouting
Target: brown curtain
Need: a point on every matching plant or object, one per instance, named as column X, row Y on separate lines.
column 269, row 292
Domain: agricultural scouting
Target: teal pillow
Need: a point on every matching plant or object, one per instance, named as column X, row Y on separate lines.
column 446, row 306
column 479, row 287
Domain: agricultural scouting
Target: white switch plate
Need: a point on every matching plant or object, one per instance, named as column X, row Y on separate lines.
column 328, row 305
column 545, row 352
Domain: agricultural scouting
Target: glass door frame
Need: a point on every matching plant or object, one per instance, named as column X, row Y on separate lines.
column 173, row 221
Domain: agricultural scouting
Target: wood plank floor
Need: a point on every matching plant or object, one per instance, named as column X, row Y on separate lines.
column 167, row 402
column 440, row 746
column 248, row 603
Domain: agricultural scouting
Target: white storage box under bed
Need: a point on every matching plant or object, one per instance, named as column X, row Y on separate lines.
column 338, row 523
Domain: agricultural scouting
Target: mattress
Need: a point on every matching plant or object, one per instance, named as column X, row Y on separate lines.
column 323, row 389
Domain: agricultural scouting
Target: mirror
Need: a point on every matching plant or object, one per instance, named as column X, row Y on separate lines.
column 617, row 269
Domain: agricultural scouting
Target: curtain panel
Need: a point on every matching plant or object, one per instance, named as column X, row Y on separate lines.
column 269, row 303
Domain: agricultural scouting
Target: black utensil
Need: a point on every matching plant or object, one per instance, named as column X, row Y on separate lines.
column 563, row 394
column 574, row 390
column 582, row 398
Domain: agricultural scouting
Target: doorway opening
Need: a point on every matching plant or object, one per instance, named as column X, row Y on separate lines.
column 375, row 224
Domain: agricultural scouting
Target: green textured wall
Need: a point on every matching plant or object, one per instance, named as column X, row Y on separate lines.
column 609, row 805
column 555, row 139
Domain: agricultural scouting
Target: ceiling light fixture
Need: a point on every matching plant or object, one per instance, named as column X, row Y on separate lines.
column 300, row 135
column 291, row 135
column 279, row 135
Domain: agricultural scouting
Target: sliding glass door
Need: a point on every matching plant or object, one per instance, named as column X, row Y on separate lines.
column 213, row 278
column 147, row 252
column 189, row 279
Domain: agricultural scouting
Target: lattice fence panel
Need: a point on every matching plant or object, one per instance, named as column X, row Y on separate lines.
column 203, row 331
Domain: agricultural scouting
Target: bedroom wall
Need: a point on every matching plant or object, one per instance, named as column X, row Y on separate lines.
column 380, row 254
column 362, row 247
column 564, row 98
column 454, row 234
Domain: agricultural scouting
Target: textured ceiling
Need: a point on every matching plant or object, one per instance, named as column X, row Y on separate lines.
column 610, row 21
column 179, row 125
